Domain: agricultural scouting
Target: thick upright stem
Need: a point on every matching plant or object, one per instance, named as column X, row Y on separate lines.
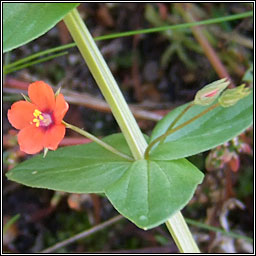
column 107, row 83
column 181, row 234
column 122, row 113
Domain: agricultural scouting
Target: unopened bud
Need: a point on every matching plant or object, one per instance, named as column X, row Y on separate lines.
column 231, row 96
column 210, row 92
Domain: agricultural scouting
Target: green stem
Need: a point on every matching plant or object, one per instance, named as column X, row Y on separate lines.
column 180, row 115
column 96, row 140
column 39, row 54
column 177, row 26
column 219, row 230
column 106, row 82
column 120, row 109
column 25, row 65
column 135, row 32
column 181, row 234
column 168, row 132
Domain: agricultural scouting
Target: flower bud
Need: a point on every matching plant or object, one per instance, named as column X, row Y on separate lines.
column 210, row 92
column 231, row 96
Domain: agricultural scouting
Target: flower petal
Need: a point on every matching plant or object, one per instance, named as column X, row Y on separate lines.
column 61, row 108
column 54, row 136
column 31, row 139
column 42, row 95
column 21, row 114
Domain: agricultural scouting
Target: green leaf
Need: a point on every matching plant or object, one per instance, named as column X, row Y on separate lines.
column 23, row 22
column 144, row 191
column 149, row 192
column 87, row 168
column 209, row 131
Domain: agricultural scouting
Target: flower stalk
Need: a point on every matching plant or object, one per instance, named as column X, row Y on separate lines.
column 122, row 113
column 206, row 96
column 168, row 132
column 180, row 115
column 98, row 141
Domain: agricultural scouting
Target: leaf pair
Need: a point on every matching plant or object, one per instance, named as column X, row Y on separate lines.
column 147, row 192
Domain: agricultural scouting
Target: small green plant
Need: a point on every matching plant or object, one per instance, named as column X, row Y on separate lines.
column 147, row 179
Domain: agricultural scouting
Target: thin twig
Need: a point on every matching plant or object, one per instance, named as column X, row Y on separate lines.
column 186, row 11
column 147, row 250
column 87, row 100
column 233, row 36
column 83, row 234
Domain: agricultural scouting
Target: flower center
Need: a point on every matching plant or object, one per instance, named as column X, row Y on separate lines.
column 42, row 119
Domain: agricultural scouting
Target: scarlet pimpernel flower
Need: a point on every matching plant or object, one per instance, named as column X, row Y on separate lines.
column 39, row 121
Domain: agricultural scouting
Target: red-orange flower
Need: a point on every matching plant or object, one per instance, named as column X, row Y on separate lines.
column 39, row 121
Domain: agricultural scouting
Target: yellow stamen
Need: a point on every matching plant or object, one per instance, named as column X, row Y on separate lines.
column 41, row 119
column 37, row 113
column 37, row 122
